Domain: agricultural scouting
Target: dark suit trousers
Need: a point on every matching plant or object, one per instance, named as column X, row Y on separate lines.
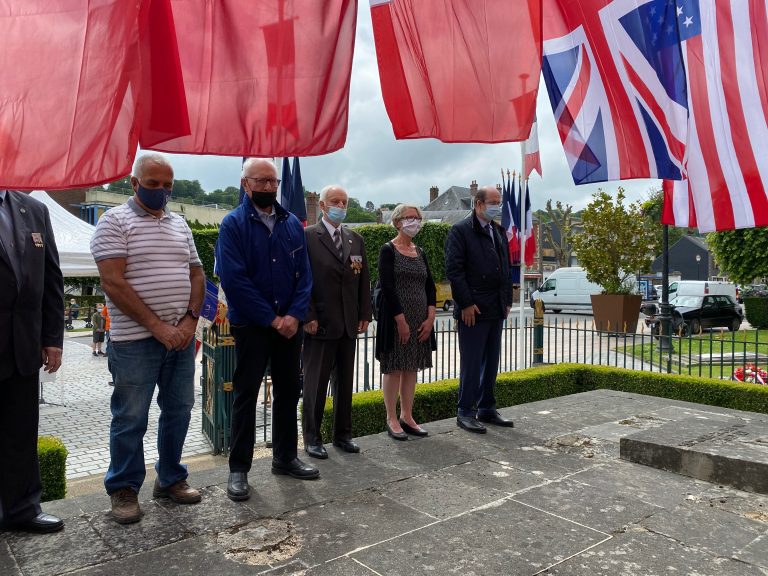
column 320, row 357
column 254, row 348
column 480, row 348
column 20, row 486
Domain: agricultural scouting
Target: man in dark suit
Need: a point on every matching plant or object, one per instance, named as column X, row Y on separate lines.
column 477, row 266
column 340, row 309
column 31, row 335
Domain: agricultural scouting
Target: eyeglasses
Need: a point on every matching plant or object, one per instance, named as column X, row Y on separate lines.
column 261, row 182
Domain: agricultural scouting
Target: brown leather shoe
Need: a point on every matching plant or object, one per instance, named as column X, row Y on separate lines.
column 181, row 492
column 125, row 506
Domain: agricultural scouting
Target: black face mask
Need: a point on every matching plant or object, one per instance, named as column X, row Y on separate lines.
column 264, row 199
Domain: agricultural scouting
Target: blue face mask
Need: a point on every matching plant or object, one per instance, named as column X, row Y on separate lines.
column 153, row 198
column 492, row 211
column 336, row 214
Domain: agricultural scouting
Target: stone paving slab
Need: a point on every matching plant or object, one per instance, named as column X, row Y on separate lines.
column 549, row 496
column 729, row 451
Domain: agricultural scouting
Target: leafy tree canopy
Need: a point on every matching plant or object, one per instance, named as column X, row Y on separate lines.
column 741, row 254
column 615, row 242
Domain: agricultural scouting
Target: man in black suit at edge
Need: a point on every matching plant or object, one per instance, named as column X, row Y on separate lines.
column 31, row 335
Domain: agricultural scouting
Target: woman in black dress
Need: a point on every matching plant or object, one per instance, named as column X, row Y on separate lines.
column 405, row 337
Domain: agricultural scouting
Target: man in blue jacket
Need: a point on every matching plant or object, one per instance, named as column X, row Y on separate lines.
column 477, row 266
column 261, row 259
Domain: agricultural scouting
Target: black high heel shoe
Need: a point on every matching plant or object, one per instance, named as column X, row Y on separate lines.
column 396, row 435
column 418, row 431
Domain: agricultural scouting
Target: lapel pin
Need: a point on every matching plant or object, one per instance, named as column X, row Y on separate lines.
column 23, row 210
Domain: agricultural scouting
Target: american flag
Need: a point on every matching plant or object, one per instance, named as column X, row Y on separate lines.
column 727, row 159
column 616, row 82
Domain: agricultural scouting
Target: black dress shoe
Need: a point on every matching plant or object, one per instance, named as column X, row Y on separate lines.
column 396, row 435
column 317, row 451
column 418, row 431
column 295, row 468
column 237, row 486
column 470, row 424
column 497, row 419
column 347, row 446
column 40, row 524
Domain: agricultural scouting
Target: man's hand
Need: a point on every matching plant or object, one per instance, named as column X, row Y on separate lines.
column 425, row 329
column 468, row 314
column 169, row 336
column 311, row 327
column 51, row 359
column 289, row 327
column 362, row 326
column 277, row 323
column 187, row 327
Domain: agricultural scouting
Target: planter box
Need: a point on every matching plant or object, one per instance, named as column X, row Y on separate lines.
column 616, row 312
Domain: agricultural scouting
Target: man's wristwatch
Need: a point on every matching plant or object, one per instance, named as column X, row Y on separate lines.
column 192, row 313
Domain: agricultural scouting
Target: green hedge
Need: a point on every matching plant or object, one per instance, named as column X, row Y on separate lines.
column 53, row 467
column 756, row 311
column 437, row 400
column 431, row 238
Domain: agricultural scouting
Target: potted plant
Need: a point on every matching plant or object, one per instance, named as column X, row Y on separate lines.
column 614, row 244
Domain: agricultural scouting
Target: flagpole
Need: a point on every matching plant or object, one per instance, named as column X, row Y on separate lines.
column 521, row 364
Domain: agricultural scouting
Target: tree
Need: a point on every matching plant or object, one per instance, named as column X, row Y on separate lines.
column 230, row 196
column 561, row 218
column 614, row 243
column 741, row 254
column 652, row 208
column 356, row 213
column 122, row 186
column 369, row 207
column 188, row 189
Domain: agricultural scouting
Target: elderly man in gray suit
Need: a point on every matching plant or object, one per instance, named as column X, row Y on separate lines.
column 340, row 309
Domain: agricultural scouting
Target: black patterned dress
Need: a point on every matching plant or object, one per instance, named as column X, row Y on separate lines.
column 410, row 277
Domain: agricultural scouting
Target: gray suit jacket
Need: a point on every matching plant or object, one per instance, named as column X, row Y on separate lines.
column 31, row 308
column 341, row 287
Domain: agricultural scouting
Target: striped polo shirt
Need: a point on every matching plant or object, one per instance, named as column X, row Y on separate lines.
column 158, row 254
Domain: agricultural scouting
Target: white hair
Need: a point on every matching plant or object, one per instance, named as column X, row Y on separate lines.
column 397, row 213
column 149, row 158
column 254, row 161
column 324, row 192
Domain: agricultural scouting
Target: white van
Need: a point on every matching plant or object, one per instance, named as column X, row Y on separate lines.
column 567, row 289
column 701, row 288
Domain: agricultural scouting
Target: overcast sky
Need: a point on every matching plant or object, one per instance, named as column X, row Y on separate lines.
column 374, row 166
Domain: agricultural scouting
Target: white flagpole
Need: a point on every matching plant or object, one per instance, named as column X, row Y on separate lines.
column 521, row 339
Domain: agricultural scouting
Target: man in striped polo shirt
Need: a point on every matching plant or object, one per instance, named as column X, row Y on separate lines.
column 154, row 284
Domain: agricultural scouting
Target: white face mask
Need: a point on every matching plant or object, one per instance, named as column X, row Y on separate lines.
column 410, row 226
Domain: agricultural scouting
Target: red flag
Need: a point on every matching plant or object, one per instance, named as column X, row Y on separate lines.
column 530, row 149
column 459, row 70
column 530, row 239
column 727, row 161
column 267, row 78
column 81, row 85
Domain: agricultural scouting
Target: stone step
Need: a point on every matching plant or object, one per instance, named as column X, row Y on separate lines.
column 727, row 451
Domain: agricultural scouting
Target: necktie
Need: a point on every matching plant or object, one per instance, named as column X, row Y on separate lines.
column 6, row 235
column 337, row 241
column 489, row 230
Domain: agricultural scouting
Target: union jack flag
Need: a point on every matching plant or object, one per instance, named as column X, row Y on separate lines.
column 615, row 76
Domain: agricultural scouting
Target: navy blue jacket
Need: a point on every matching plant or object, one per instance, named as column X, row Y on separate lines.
column 263, row 275
column 478, row 268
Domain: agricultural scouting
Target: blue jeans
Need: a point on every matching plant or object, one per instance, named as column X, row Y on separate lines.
column 136, row 367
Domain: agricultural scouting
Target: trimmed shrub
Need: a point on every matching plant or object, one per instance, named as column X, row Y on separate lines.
column 53, row 467
column 437, row 400
column 756, row 311
column 205, row 242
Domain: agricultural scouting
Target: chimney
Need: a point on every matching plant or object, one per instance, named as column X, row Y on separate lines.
column 473, row 188
column 498, row 187
column 313, row 208
column 433, row 193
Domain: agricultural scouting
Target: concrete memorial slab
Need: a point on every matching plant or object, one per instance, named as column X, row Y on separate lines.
column 730, row 451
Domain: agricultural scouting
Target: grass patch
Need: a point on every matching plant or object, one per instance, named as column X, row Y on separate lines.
column 724, row 347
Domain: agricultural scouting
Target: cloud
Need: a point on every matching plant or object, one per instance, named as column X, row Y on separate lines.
column 374, row 166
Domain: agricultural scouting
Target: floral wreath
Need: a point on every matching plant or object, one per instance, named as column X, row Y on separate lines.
column 750, row 373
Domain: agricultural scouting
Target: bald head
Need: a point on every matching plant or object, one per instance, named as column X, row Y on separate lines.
column 259, row 168
column 487, row 194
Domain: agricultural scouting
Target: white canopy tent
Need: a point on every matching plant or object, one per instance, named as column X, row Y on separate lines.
column 73, row 238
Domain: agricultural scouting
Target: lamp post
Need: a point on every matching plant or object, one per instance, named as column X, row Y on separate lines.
column 698, row 261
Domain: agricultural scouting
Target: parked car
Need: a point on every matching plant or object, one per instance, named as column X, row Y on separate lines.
column 692, row 314
column 444, row 296
column 566, row 289
column 752, row 290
